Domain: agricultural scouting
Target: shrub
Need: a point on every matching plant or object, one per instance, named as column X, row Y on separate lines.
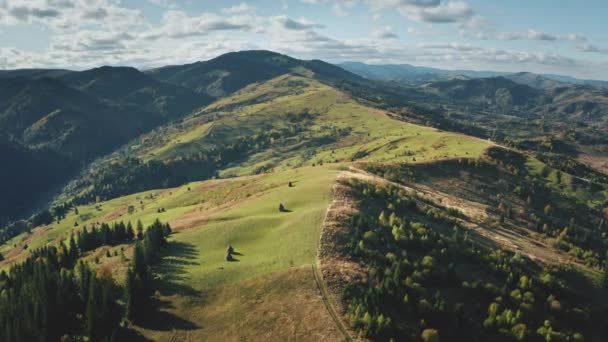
column 430, row 335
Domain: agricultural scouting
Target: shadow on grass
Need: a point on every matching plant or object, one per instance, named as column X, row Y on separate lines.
column 170, row 278
column 127, row 334
column 171, row 273
column 162, row 320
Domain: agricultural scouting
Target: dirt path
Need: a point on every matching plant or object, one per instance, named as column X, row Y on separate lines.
column 327, row 301
column 318, row 274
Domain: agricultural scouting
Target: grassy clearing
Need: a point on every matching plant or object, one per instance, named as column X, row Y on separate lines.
column 278, row 249
column 176, row 202
column 270, row 240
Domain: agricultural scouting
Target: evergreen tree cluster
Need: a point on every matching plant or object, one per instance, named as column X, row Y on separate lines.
column 427, row 278
column 146, row 253
column 104, row 234
column 53, row 295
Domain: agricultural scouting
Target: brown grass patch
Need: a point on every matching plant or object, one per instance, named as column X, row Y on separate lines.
column 283, row 306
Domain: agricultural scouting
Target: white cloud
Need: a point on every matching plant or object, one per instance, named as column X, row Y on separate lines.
column 164, row 3
column 340, row 7
column 531, row 34
column 299, row 24
column 178, row 24
column 433, row 11
column 592, row 48
column 69, row 14
column 448, row 12
column 239, row 9
column 385, row 32
column 89, row 33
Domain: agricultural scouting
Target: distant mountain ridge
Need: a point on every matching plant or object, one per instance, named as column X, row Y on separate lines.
column 78, row 116
column 60, row 120
column 419, row 74
column 230, row 72
column 499, row 91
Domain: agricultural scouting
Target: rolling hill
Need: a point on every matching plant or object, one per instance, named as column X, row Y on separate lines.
column 303, row 205
column 287, row 122
column 232, row 71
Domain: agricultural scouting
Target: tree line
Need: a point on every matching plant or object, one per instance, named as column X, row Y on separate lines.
column 55, row 295
column 428, row 278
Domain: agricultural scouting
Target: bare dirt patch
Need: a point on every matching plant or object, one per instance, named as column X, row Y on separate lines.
column 336, row 267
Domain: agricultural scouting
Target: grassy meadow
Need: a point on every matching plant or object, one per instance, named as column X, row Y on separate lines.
column 270, row 289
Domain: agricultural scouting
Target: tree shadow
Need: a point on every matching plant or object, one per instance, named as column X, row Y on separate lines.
column 171, row 272
column 170, row 278
column 162, row 320
column 128, row 334
column 222, row 219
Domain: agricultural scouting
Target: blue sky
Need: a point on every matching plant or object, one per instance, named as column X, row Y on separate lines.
column 564, row 37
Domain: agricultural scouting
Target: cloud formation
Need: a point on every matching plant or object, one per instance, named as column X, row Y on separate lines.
column 385, row 32
column 89, row 33
column 241, row 8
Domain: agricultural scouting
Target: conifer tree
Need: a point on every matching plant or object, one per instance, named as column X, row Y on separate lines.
column 73, row 252
column 140, row 230
column 129, row 234
column 92, row 310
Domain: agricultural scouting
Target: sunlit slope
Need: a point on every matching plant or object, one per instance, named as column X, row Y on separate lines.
column 273, row 271
column 310, row 131
column 271, row 284
column 311, row 123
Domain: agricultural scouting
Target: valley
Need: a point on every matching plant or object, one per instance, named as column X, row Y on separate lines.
column 351, row 217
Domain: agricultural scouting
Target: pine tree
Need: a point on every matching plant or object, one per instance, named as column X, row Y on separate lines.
column 83, row 239
column 139, row 265
column 73, row 253
column 92, row 310
column 140, row 230
column 129, row 295
column 129, row 234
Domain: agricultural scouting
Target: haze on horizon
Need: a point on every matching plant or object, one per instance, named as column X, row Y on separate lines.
column 517, row 35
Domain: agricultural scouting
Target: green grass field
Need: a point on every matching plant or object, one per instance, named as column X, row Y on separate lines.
column 242, row 212
column 205, row 297
column 333, row 128
column 272, row 243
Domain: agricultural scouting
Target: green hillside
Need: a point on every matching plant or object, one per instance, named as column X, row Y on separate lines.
column 287, row 122
column 233, row 71
column 345, row 223
column 206, row 217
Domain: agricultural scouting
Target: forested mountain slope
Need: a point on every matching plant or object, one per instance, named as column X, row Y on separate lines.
column 302, row 203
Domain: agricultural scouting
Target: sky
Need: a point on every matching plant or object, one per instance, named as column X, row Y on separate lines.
column 568, row 37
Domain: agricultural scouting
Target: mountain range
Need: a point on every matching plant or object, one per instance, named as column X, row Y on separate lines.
column 416, row 74
column 258, row 196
